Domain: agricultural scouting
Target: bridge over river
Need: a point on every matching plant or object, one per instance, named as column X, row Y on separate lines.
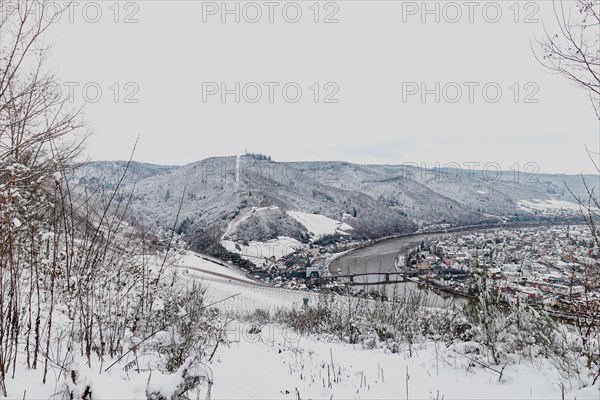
column 375, row 278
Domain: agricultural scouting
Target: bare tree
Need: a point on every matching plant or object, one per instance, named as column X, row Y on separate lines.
column 38, row 140
column 65, row 246
column 574, row 49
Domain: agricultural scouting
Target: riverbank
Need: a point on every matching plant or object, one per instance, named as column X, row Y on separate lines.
column 418, row 236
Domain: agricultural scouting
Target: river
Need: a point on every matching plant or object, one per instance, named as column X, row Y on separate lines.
column 380, row 257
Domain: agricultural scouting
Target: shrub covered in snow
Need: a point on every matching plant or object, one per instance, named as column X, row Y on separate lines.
column 393, row 325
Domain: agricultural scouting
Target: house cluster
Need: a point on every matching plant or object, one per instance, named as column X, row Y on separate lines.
column 307, row 266
column 550, row 265
column 304, row 268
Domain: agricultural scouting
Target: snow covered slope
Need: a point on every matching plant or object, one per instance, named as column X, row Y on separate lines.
column 319, row 225
column 260, row 252
column 323, row 368
column 547, row 205
column 305, row 368
column 205, row 264
column 247, row 200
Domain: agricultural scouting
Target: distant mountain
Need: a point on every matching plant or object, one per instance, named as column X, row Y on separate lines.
column 247, row 198
column 108, row 173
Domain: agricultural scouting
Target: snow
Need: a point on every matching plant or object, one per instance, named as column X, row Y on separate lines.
column 104, row 386
column 319, row 225
column 158, row 304
column 546, row 205
column 166, row 385
column 115, row 384
column 47, row 236
column 206, row 264
column 250, row 296
column 260, row 252
column 301, row 367
column 280, row 364
column 236, row 222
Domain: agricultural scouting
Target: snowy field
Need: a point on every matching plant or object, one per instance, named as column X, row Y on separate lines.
column 547, row 205
column 248, row 296
column 278, row 364
column 319, row 225
column 222, row 281
column 203, row 264
column 260, row 252
column 308, row 368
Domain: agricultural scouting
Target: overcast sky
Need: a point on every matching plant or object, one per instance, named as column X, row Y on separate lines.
column 375, row 61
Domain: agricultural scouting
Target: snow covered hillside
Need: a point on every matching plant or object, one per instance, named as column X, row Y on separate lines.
column 263, row 360
column 242, row 199
column 548, row 205
column 319, row 225
column 310, row 368
column 260, row 252
column 320, row 366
